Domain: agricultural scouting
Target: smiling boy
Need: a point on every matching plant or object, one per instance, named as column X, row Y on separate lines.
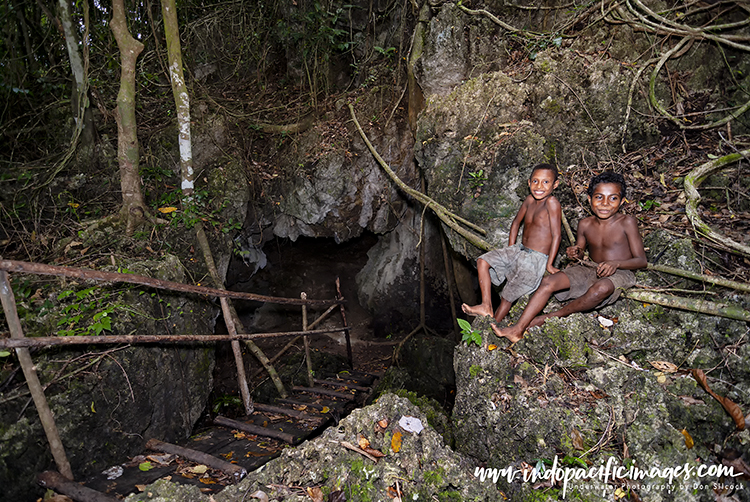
column 613, row 242
column 523, row 265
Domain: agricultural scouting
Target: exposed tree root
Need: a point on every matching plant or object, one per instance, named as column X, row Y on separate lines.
column 691, row 304
column 692, row 181
column 450, row 219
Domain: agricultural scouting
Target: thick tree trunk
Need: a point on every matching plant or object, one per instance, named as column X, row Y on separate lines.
column 133, row 207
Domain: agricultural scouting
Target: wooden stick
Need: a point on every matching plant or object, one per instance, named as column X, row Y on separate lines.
column 308, row 359
column 325, row 392
column 255, row 429
column 290, row 412
column 57, row 482
column 691, row 304
column 342, row 383
column 97, row 275
column 43, row 341
column 234, row 470
column 359, row 450
column 296, row 339
column 711, row 279
column 32, row 380
column 346, row 327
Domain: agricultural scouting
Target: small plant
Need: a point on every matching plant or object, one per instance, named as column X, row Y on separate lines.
column 468, row 335
column 648, row 204
column 224, row 401
column 88, row 314
column 477, row 179
column 385, row 52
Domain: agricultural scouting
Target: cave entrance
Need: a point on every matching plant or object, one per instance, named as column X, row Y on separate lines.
column 309, row 265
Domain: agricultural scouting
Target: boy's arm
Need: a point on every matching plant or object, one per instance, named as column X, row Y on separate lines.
column 555, row 219
column 638, row 260
column 516, row 225
column 575, row 252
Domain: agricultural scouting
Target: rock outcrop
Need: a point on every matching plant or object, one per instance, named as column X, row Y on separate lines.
column 587, row 395
column 413, row 463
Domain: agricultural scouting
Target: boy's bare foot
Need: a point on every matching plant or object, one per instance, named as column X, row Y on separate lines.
column 476, row 310
column 512, row 333
column 538, row 321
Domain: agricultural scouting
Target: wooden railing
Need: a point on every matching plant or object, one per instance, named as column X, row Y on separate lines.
column 21, row 344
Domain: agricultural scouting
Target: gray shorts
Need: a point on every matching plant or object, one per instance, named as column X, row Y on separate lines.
column 522, row 267
column 582, row 278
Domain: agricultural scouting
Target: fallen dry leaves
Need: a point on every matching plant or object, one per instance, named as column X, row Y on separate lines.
column 734, row 411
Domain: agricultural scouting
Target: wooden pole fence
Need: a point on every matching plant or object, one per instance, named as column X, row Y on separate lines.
column 43, row 341
column 98, row 275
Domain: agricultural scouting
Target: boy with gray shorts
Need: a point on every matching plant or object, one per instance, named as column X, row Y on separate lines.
column 522, row 265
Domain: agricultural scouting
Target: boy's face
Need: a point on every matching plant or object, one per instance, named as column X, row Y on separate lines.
column 541, row 183
column 606, row 200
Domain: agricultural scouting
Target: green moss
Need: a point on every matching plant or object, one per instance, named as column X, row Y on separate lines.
column 362, row 492
column 358, row 466
column 434, row 477
column 653, row 313
column 449, row 496
column 552, row 106
column 553, row 494
column 551, row 150
column 566, row 348
column 474, row 370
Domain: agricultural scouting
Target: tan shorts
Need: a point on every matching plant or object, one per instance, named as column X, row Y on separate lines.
column 582, row 278
column 522, row 267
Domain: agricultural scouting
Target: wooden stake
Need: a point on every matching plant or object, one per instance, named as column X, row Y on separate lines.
column 308, row 359
column 32, row 380
column 340, row 299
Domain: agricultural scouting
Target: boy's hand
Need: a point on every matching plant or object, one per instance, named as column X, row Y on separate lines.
column 552, row 270
column 606, row 268
column 574, row 253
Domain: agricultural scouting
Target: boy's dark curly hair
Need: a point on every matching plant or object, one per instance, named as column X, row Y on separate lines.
column 608, row 177
column 545, row 167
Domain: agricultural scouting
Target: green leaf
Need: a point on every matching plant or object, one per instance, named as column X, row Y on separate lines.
column 4, row 353
column 145, row 466
column 464, row 324
column 476, row 337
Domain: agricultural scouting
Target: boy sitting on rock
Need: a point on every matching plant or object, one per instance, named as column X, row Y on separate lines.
column 613, row 242
column 523, row 265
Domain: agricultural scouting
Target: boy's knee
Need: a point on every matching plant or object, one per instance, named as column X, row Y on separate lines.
column 546, row 282
column 554, row 282
column 601, row 290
